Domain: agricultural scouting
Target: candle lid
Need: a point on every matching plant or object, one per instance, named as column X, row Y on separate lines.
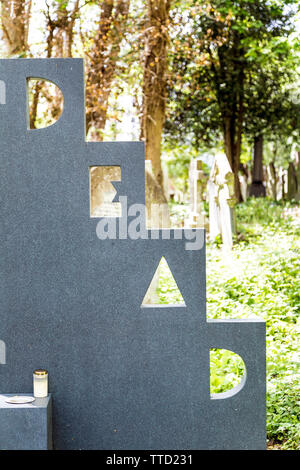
column 40, row 372
column 19, row 400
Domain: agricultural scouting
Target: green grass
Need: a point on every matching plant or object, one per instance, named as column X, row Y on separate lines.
column 260, row 278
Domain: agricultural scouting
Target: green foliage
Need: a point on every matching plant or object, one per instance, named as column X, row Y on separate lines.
column 168, row 291
column 260, row 279
column 227, row 368
column 232, row 63
column 283, row 414
column 178, row 161
column 261, row 214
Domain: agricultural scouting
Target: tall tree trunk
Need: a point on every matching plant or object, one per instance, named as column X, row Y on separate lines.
column 283, row 194
column 272, row 177
column 154, row 85
column 293, row 191
column 70, row 29
column 102, row 63
column 15, row 17
column 233, row 114
column 232, row 144
column 257, row 188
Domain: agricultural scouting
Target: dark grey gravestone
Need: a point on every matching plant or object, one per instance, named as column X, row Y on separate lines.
column 122, row 376
column 26, row 426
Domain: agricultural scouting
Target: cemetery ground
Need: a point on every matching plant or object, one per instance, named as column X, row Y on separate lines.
column 259, row 278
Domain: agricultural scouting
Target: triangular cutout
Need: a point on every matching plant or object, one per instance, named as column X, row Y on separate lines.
column 163, row 290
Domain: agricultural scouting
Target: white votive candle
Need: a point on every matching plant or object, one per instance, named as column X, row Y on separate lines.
column 40, row 383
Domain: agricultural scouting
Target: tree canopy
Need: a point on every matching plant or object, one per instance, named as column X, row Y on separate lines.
column 230, row 65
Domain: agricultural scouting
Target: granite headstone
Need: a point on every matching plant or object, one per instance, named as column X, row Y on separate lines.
column 122, row 375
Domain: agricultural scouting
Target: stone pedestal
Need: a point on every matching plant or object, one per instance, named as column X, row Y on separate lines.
column 26, row 426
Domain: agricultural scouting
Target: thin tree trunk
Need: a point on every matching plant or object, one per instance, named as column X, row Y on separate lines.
column 34, row 105
column 103, row 63
column 282, row 185
column 154, row 85
column 70, row 29
column 292, row 182
column 60, row 31
column 15, row 17
column 257, row 188
column 232, row 144
column 293, row 191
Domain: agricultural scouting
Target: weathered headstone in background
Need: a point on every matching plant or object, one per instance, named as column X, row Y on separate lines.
column 271, row 181
column 257, row 186
column 103, row 191
column 122, row 375
column 197, row 190
column 293, row 177
column 283, row 183
column 221, row 201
